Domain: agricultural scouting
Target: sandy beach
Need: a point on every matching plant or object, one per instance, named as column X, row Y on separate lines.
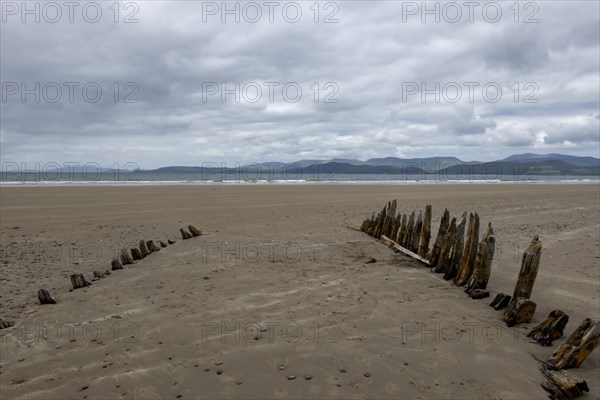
column 276, row 298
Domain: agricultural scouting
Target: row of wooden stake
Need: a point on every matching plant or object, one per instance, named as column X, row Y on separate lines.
column 144, row 249
column 468, row 262
column 465, row 261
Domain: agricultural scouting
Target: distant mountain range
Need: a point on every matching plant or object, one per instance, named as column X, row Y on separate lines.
column 521, row 164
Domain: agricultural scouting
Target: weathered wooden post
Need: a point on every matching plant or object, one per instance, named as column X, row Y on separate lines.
column 185, row 235
column 44, row 297
column 446, row 247
column 381, row 221
column 371, row 227
column 521, row 312
column 524, row 286
column 578, row 346
column 455, row 255
column 563, row 385
column 397, row 224
column 196, row 232
column 416, row 236
column 439, row 240
column 467, row 262
column 409, row 231
column 551, row 329
column 125, row 257
column 483, row 263
column 135, row 254
column 151, row 246
column 425, row 233
column 5, row 324
column 500, row 301
column 402, row 230
column 115, row 264
column 78, row 281
column 98, row 275
column 388, row 224
column 143, row 249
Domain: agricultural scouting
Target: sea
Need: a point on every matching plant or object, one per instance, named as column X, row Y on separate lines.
column 135, row 178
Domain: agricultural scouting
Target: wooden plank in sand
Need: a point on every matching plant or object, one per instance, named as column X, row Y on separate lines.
column 425, row 233
column 563, row 385
column 409, row 253
column 467, row 262
column 578, row 346
column 551, row 329
column 529, row 268
column 500, row 301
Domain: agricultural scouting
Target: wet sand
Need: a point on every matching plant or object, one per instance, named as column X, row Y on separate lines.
column 276, row 299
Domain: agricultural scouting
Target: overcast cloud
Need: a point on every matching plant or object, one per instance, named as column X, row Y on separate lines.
column 369, row 68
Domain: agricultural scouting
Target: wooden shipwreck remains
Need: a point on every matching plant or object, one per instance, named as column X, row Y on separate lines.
column 451, row 254
column 136, row 254
column 551, row 329
column 578, row 346
column 439, row 240
column 5, row 324
column 563, row 385
column 44, row 297
column 78, row 281
column 425, row 233
column 125, row 257
column 447, row 243
column 483, row 263
column 115, row 264
column 456, row 253
column 152, row 246
column 144, row 249
column 184, row 234
column 521, row 309
column 500, row 302
column 467, row 262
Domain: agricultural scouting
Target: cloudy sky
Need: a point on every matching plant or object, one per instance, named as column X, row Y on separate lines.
column 181, row 83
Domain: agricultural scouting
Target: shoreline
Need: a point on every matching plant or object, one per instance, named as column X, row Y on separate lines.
column 583, row 181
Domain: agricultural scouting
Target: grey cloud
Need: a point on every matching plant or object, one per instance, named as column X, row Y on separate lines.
column 369, row 54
